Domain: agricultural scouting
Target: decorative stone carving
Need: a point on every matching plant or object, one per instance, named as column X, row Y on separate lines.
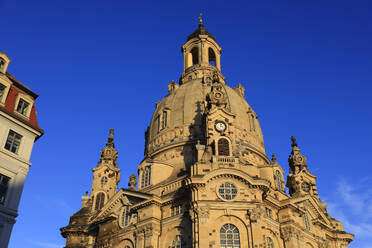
column 132, row 182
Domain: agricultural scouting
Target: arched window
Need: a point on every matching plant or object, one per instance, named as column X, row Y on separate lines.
column 306, row 222
column 177, row 242
column 125, row 217
column 164, row 119
column 253, row 126
column 195, row 56
column 229, row 236
column 270, row 243
column 100, row 200
column 146, row 176
column 278, row 180
column 211, row 57
column 223, row 147
column 2, row 64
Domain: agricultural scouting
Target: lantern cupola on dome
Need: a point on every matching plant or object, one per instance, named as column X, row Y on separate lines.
column 201, row 54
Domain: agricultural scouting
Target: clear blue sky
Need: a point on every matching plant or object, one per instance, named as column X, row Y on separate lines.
column 306, row 67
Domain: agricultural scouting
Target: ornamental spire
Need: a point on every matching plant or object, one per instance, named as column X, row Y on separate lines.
column 296, row 160
column 200, row 19
column 109, row 153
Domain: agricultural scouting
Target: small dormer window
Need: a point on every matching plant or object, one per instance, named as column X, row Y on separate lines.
column 2, row 91
column 22, row 107
column 2, row 64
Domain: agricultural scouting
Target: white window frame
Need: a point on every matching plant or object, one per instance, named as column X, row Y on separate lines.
column 27, row 99
column 20, row 142
column 6, row 90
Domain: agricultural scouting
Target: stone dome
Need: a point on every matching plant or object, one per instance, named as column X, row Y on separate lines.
column 178, row 118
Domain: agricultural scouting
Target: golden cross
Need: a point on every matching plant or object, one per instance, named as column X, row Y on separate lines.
column 200, row 18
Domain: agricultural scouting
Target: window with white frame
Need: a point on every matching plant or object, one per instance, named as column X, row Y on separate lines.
column 4, row 185
column 146, row 176
column 22, row 107
column 13, row 141
column 2, row 91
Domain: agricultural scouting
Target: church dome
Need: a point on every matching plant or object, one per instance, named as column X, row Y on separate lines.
column 179, row 117
column 184, row 117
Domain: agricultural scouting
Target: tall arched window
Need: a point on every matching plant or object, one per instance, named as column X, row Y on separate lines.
column 100, row 200
column 306, row 222
column 195, row 56
column 125, row 217
column 223, row 147
column 270, row 243
column 278, row 180
column 211, row 57
column 177, row 242
column 164, row 119
column 229, row 236
column 146, row 176
column 253, row 126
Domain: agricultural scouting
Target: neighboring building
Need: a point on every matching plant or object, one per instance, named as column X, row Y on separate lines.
column 205, row 180
column 18, row 132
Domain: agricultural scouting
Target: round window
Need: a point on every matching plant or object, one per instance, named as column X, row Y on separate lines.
column 228, row 191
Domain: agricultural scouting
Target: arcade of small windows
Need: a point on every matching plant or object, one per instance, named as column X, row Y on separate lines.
column 146, row 177
column 223, row 147
column 178, row 242
column 229, row 236
column 125, row 216
column 4, row 184
column 13, row 141
column 100, row 200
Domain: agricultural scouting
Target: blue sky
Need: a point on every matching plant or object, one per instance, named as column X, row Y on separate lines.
column 305, row 65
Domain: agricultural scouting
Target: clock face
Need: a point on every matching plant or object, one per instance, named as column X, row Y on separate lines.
column 305, row 186
column 220, row 126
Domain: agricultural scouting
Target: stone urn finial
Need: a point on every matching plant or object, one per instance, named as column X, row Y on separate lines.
column 132, row 182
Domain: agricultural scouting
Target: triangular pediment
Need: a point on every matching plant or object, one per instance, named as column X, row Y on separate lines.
column 122, row 198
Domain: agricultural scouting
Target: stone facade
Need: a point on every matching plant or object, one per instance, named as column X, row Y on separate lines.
column 205, row 180
column 18, row 132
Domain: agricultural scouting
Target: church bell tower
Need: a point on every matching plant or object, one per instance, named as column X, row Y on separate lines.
column 106, row 175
